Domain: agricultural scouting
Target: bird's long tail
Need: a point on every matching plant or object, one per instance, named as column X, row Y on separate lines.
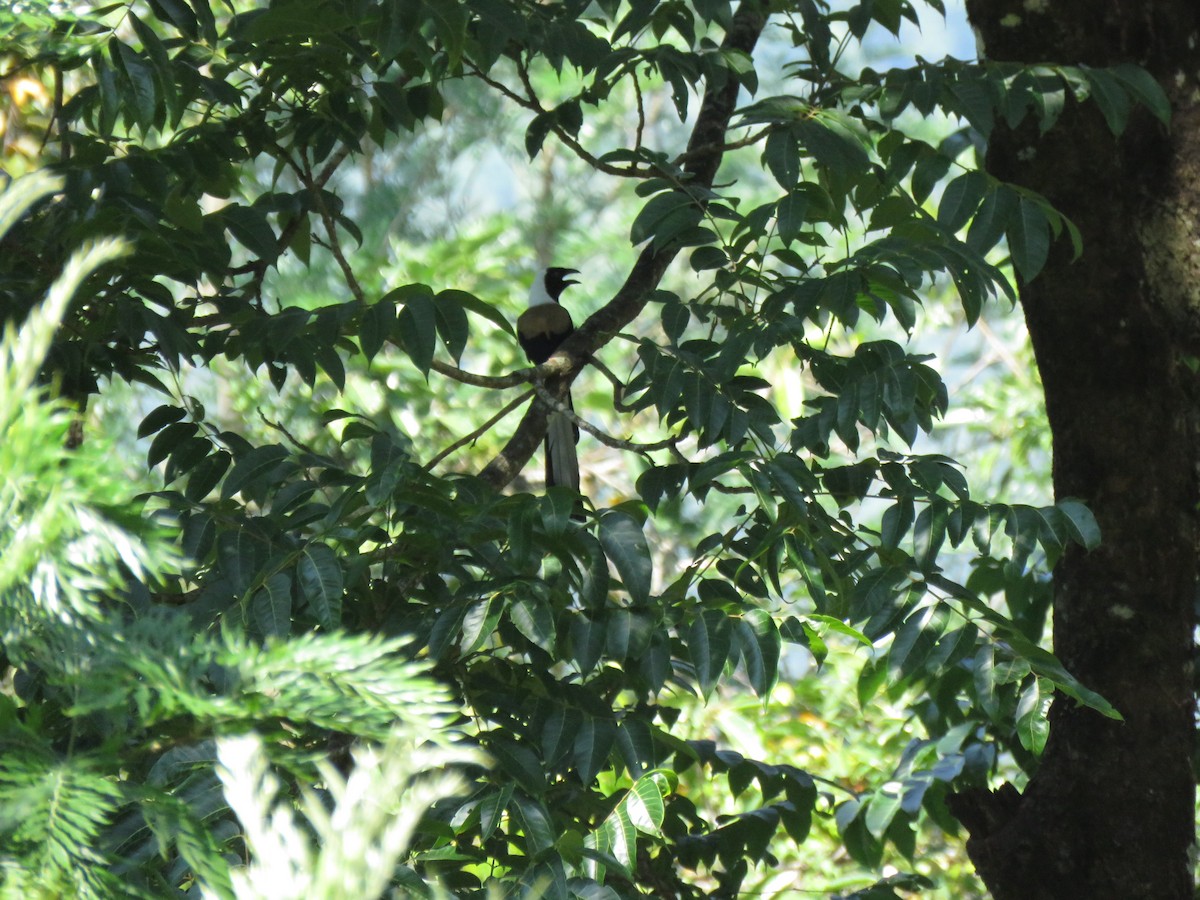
column 562, row 460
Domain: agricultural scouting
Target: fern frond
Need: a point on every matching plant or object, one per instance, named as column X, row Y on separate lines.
column 52, row 812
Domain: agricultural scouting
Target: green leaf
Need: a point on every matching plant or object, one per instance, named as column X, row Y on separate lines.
column 985, row 680
column 619, row 626
column 179, row 14
column 863, row 847
column 587, row 638
column 760, row 645
column 473, row 304
column 709, row 639
column 250, row 228
column 881, row 809
column 646, row 803
column 790, row 212
column 240, row 555
column 557, row 506
column 535, row 621
column 960, row 199
column 1044, row 664
column 952, row 647
column 479, row 623
column 168, row 439
column 992, row 218
column 144, row 99
column 326, row 356
column 208, row 25
column 417, row 323
column 636, row 745
column 593, row 742
column 539, row 128
column 558, row 733
column 675, row 317
column 897, row 520
column 625, row 545
column 1080, row 524
column 271, row 606
column 296, row 20
column 929, row 534
column 642, row 808
column 927, row 173
column 520, row 762
column 828, row 138
column 915, row 641
column 1108, row 92
column 206, row 474
column 378, row 319
column 254, row 468
column 654, row 664
column 870, row 680
column 781, row 153
column 849, row 483
column 452, row 324
column 159, row 417
column 975, row 101
column 838, row 627
column 534, row 821
column 164, row 80
column 1033, row 726
column 664, row 217
column 1145, row 89
column 492, row 809
column 704, row 258
column 320, row 578
column 1029, row 238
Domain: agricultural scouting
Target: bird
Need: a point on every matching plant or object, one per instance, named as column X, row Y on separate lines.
column 540, row 330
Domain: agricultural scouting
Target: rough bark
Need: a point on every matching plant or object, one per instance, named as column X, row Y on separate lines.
column 1110, row 811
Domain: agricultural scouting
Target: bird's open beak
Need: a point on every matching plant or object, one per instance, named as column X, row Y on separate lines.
column 570, row 272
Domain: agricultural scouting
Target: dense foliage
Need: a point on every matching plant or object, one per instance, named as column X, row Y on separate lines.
column 282, row 577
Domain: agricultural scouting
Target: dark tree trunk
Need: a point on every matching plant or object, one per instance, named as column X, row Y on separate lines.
column 1110, row 811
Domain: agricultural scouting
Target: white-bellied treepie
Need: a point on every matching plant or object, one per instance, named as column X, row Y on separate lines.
column 540, row 329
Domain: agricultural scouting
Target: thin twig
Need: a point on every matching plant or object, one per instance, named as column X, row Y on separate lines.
column 531, row 103
column 747, row 141
column 282, row 429
column 607, row 168
column 602, row 436
column 618, row 386
column 641, row 110
column 330, row 167
column 482, row 429
column 334, row 245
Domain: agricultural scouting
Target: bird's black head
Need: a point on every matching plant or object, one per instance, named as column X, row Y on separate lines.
column 557, row 279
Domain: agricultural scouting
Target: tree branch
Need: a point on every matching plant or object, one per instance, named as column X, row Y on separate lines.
column 704, row 153
column 494, row 382
column 482, row 429
column 602, row 436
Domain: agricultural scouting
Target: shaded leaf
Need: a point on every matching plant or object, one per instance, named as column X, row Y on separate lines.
column 625, row 545
column 320, row 577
